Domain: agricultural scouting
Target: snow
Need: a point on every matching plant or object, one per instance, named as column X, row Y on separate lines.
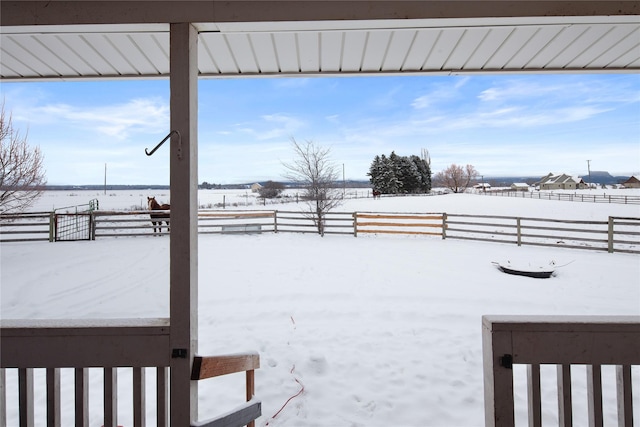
column 379, row 330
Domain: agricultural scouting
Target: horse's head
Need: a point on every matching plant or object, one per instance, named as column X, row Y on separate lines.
column 151, row 202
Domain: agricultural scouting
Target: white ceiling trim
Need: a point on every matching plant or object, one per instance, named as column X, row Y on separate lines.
column 442, row 46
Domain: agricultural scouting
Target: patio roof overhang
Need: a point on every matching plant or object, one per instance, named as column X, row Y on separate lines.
column 115, row 39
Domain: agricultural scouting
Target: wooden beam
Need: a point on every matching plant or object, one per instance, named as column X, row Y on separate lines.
column 184, row 221
column 63, row 12
column 214, row 366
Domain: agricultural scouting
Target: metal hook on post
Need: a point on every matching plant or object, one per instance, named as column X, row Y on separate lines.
column 149, row 153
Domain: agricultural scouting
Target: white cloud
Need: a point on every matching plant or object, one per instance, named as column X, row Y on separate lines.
column 117, row 121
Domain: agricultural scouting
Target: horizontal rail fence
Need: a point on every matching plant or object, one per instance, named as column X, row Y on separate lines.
column 601, row 349
column 73, row 372
column 134, row 223
column 614, row 235
column 36, row 226
column 587, row 196
column 400, row 223
column 240, row 222
column 302, row 222
column 617, row 234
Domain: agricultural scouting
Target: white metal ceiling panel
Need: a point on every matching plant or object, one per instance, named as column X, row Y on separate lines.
column 287, row 52
column 503, row 54
column 445, row 44
column 331, row 43
column 152, row 48
column 420, row 49
column 339, row 47
column 354, row 45
column 376, row 50
column 605, row 42
column 494, row 38
column 104, row 45
column 614, row 56
column 399, row 44
column 309, row 51
column 540, row 38
column 219, row 53
column 242, row 50
column 467, row 45
column 265, row 52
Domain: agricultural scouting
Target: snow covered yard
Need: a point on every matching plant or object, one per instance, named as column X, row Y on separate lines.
column 380, row 330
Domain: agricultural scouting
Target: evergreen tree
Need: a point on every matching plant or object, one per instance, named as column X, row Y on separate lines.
column 400, row 174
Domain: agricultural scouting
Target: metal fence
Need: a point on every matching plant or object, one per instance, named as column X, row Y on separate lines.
column 589, row 196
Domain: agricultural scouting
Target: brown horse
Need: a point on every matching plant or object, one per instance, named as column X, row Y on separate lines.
column 157, row 218
column 376, row 194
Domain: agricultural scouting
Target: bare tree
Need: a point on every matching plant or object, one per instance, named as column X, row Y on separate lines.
column 315, row 172
column 22, row 176
column 456, row 178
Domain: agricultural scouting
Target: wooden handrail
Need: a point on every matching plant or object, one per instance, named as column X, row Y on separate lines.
column 215, row 366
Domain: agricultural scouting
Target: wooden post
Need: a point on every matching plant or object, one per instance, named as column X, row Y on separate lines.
column 519, row 232
column 355, row 224
column 610, row 236
column 444, row 225
column 275, row 221
column 184, row 222
column 498, row 376
column 52, row 221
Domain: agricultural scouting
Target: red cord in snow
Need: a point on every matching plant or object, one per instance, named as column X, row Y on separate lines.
column 290, row 399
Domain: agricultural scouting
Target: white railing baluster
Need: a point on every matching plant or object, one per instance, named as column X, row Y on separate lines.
column 162, row 396
column 53, row 397
column 25, row 391
column 565, row 416
column 535, row 403
column 139, row 397
column 3, row 398
column 625, row 408
column 82, row 397
column 110, row 397
column 594, row 395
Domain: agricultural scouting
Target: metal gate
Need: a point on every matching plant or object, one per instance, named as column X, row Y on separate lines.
column 71, row 227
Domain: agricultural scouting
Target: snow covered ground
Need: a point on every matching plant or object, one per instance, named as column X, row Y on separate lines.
column 380, row 330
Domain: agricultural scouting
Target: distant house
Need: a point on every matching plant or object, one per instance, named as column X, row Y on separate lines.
column 520, row 186
column 255, row 187
column 560, row 182
column 632, row 182
column 482, row 186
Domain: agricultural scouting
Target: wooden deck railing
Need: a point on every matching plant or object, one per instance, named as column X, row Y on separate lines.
column 122, row 349
column 209, row 367
column 562, row 341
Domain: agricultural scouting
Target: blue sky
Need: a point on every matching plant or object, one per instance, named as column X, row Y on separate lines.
column 504, row 125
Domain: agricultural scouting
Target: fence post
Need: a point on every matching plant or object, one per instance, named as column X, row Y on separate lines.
column 52, row 221
column 519, row 231
column 610, row 235
column 92, row 226
column 275, row 221
column 355, row 224
column 444, row 225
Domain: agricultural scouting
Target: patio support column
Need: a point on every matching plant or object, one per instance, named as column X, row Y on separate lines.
column 184, row 227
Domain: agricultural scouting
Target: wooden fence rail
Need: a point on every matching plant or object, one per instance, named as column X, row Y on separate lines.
column 615, row 234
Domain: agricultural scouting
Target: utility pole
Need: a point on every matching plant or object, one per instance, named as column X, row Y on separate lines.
column 105, row 178
column 589, row 169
